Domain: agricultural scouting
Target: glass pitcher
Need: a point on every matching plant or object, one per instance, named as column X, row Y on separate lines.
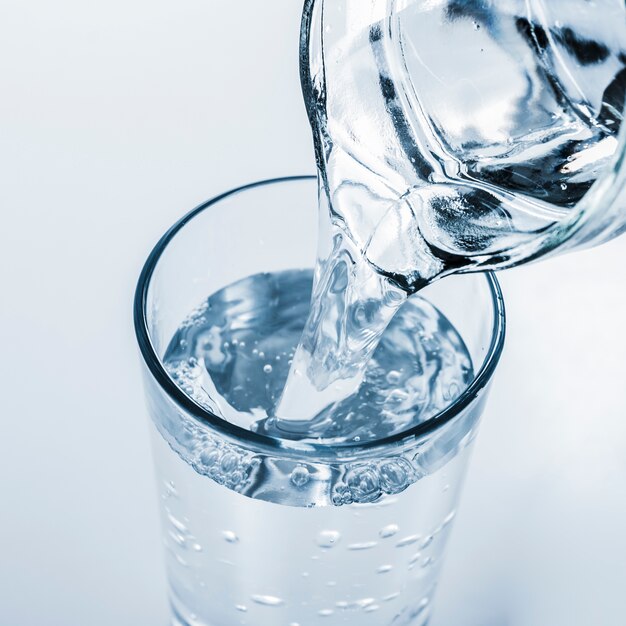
column 455, row 136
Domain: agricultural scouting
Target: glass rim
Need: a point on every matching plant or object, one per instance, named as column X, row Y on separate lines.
column 283, row 446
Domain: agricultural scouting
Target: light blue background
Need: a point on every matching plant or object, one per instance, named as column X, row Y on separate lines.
column 115, row 118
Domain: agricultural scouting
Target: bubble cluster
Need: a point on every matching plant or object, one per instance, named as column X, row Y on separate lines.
column 369, row 482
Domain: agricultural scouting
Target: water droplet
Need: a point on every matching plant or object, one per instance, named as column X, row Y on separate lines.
column 230, row 536
column 415, row 558
column 300, row 476
column 427, row 541
column 563, row 186
column 328, row 538
column 305, row 574
column 371, row 608
column 267, row 368
column 388, row 531
column 366, row 545
column 407, row 541
column 268, row 600
column 241, row 608
column 383, row 569
column 427, row 561
column 391, row 596
column 325, row 612
column 197, row 547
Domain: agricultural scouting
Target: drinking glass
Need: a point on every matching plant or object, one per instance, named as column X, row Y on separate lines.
column 265, row 531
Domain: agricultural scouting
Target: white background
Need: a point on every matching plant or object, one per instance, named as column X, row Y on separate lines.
column 115, row 118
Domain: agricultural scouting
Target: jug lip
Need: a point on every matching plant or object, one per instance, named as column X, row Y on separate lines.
column 282, row 447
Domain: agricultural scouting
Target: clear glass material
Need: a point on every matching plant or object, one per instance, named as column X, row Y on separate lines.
column 456, row 135
column 265, row 531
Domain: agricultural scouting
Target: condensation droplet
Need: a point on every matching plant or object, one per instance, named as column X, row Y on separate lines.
column 391, row 596
column 325, row 612
column 371, row 608
column 383, row 569
column 241, row 608
column 230, row 536
column 328, row 538
column 388, row 531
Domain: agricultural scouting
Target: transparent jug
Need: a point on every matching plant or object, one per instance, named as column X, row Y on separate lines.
column 455, row 136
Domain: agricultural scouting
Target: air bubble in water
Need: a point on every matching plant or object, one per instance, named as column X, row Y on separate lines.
column 230, row 536
column 328, row 538
column 407, row 541
column 268, row 600
column 366, row 545
column 177, row 524
column 300, row 476
column 229, row 463
column 267, row 368
column 391, row 596
column 395, row 475
column 388, row 531
column 393, row 377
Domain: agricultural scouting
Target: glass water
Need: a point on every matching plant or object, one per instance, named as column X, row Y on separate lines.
column 258, row 530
